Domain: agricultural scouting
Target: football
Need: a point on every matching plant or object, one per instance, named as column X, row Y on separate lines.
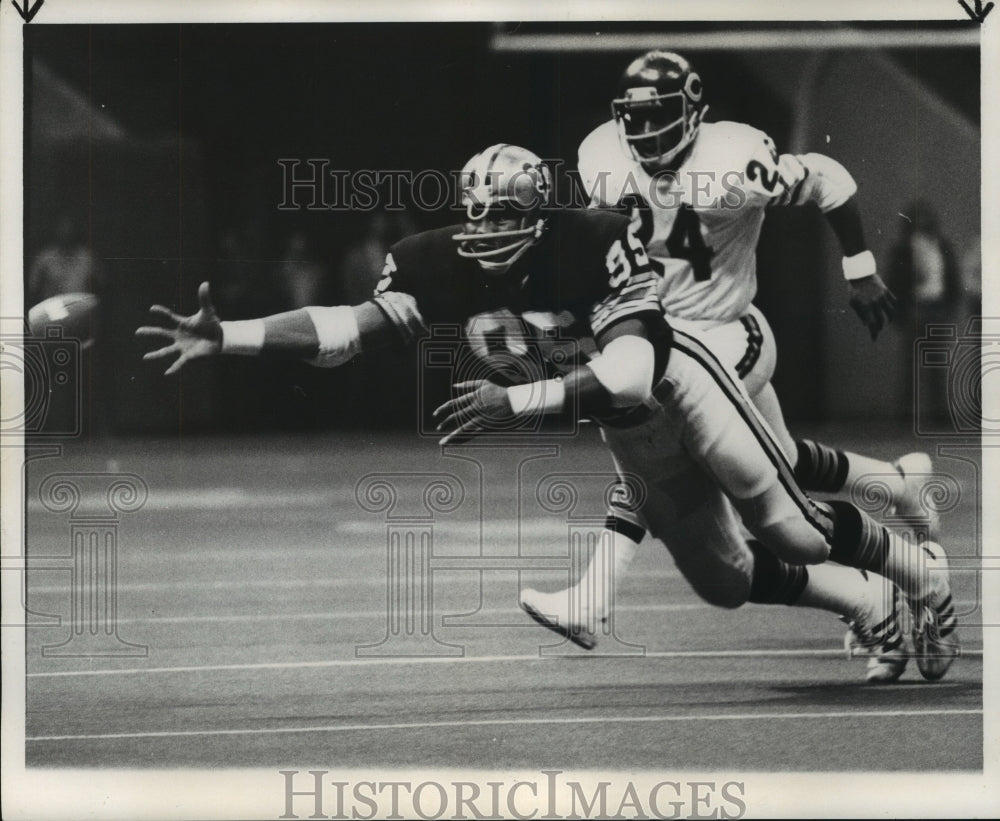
column 74, row 315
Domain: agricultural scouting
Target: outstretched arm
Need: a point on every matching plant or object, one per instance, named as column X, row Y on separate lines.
column 824, row 181
column 621, row 376
column 324, row 336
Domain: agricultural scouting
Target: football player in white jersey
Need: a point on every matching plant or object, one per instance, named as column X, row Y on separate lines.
column 698, row 193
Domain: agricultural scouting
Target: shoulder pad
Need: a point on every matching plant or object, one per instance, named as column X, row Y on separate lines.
column 604, row 168
column 586, row 225
column 727, row 146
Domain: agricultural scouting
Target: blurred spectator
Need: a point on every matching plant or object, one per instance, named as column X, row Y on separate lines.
column 66, row 266
column 923, row 268
column 301, row 277
column 363, row 262
column 923, row 272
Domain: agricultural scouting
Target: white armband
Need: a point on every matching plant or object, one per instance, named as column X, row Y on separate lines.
column 339, row 336
column 625, row 368
column 244, row 337
column 859, row 266
column 547, row 396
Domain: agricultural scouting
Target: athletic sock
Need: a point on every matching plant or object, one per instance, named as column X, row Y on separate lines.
column 774, row 580
column 859, row 541
column 845, row 591
column 820, row 467
column 823, row 468
column 614, row 553
column 865, row 601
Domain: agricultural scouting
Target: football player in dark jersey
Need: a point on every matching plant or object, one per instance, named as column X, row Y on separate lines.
column 582, row 270
column 586, row 273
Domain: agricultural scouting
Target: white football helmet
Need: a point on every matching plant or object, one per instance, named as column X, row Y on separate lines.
column 504, row 189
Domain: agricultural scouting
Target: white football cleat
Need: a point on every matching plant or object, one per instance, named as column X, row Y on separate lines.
column 879, row 635
column 553, row 610
column 916, row 469
column 935, row 638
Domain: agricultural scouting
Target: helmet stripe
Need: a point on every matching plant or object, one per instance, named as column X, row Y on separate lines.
column 496, row 153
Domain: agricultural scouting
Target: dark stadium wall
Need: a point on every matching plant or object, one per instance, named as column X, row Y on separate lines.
column 145, row 225
column 902, row 140
column 136, row 189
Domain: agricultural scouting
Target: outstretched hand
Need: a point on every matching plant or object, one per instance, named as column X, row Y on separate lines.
column 192, row 337
column 872, row 300
column 477, row 406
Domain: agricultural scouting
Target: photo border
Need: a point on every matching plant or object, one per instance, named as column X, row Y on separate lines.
column 251, row 793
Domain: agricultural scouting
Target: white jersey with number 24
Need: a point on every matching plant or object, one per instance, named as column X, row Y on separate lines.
column 701, row 223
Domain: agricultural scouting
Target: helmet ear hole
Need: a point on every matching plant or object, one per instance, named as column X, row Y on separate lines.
column 693, row 87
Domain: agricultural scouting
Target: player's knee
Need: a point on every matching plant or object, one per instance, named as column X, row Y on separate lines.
column 795, row 541
column 770, row 507
column 775, row 519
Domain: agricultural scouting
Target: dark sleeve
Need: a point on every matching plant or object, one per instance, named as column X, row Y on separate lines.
column 846, row 223
column 398, row 293
column 629, row 287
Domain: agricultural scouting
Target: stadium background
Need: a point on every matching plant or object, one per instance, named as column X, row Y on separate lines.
column 163, row 143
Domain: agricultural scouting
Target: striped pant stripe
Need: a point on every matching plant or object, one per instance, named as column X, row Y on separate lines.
column 755, row 341
column 691, row 347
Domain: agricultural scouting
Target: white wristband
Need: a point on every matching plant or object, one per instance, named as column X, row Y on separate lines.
column 859, row 266
column 245, row 337
column 537, row 397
